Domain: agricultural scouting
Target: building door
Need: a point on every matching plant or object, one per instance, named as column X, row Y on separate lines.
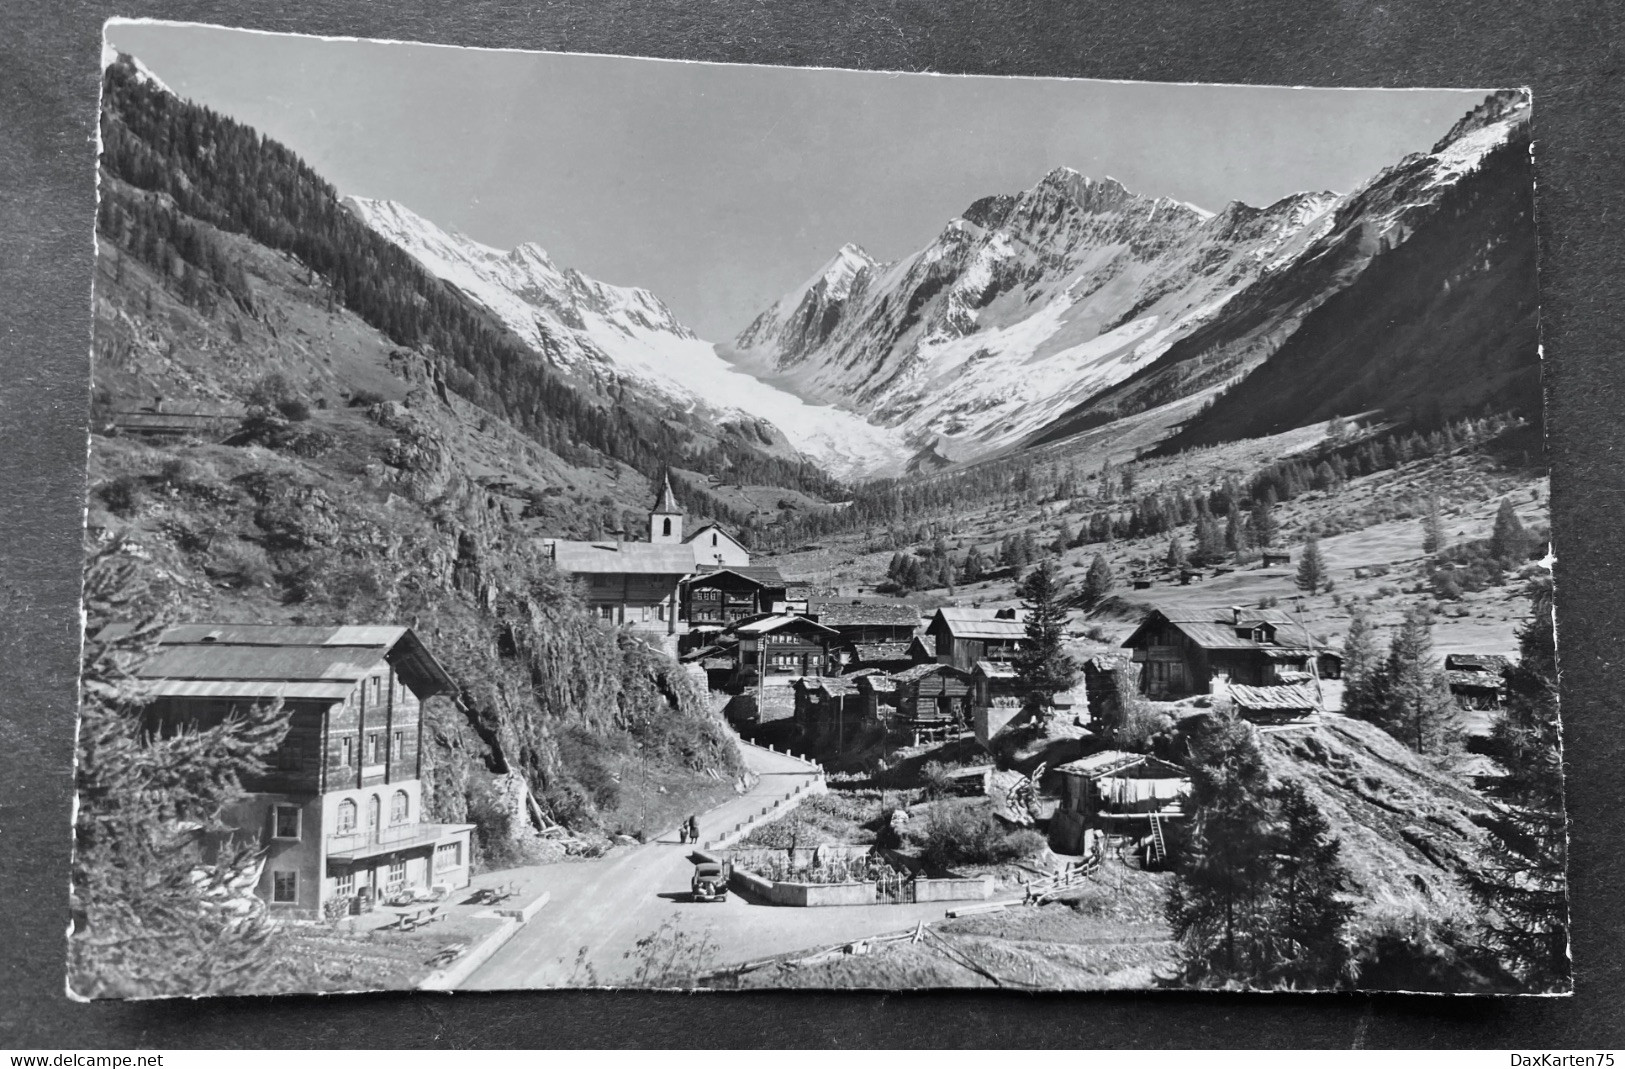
column 374, row 807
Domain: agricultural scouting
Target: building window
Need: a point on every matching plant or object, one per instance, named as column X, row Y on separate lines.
column 397, row 745
column 397, row 877
column 344, row 886
column 285, row 822
column 448, row 856
column 713, row 538
column 399, row 808
column 285, row 887
column 347, row 814
column 377, row 690
column 347, row 751
column 372, row 748
column 665, row 527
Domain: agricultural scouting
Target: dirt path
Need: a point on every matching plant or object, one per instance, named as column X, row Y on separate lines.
column 600, row 909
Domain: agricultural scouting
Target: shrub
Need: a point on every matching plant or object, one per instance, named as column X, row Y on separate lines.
column 935, row 782
column 179, row 473
column 294, row 408
column 965, row 835
column 123, row 496
column 365, row 398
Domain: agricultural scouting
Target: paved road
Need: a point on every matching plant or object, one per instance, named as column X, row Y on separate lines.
column 600, row 909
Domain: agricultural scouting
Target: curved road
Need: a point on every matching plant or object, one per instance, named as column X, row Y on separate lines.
column 588, row 932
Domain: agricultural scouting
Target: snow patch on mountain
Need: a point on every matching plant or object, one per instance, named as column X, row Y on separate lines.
column 627, row 335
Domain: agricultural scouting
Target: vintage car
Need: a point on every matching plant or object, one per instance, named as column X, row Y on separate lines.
column 710, row 883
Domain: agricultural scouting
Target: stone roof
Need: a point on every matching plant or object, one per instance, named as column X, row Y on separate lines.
column 623, row 558
column 1288, row 696
column 836, row 612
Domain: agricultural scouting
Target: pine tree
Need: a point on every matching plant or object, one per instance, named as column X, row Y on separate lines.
column 1308, row 916
column 1042, row 664
column 1521, row 879
column 1218, row 904
column 975, row 565
column 1210, row 541
column 1175, row 557
column 1311, row 569
column 1365, row 692
column 1264, row 527
column 1420, row 711
column 1433, row 528
column 1235, row 531
column 147, row 887
column 1509, row 542
column 1098, row 582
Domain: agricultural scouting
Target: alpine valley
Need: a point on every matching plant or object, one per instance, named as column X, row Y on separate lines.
column 1073, row 408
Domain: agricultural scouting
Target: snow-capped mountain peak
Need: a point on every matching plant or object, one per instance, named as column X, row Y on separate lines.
column 625, row 335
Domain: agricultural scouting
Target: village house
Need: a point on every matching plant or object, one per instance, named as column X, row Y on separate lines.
column 716, row 548
column 1476, row 680
column 933, row 701
column 717, row 599
column 1118, row 793
column 339, row 811
column 866, row 622
column 964, row 636
column 1181, row 653
column 634, row 584
column 998, row 699
column 773, row 650
column 828, row 708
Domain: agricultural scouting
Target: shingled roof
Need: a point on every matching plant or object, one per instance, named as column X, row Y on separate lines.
column 272, row 660
column 629, row 558
column 982, row 623
column 835, row 612
column 1288, row 697
column 1232, row 631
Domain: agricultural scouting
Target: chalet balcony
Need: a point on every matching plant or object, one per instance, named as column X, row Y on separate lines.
column 355, row 846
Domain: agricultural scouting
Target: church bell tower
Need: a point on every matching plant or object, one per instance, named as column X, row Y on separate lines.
column 666, row 518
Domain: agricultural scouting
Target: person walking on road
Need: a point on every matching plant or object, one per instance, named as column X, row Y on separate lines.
column 694, row 829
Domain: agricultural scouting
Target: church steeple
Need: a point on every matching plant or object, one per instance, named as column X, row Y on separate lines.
column 666, row 518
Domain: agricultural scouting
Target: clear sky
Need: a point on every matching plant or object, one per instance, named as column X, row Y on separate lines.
column 721, row 187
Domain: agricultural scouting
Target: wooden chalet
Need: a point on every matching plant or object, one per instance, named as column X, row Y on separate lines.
column 1119, row 793
column 933, row 701
column 339, row 809
column 866, row 622
column 773, row 650
column 964, row 636
column 629, row 584
column 878, row 691
column 721, row 597
column 829, row 707
column 1476, row 680
column 1180, row 654
column 998, row 699
column 716, row 548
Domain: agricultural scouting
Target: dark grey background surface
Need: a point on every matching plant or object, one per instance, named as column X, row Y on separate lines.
column 1568, row 52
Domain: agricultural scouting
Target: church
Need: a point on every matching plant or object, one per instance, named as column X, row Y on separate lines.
column 634, row 584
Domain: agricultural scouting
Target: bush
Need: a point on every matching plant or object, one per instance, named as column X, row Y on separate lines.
column 966, row 835
column 365, row 398
column 294, row 408
column 935, row 782
column 123, row 496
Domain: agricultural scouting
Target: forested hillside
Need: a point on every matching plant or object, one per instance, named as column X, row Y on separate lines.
column 216, row 171
column 388, row 458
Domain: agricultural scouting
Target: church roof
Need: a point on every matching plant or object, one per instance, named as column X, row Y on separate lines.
column 667, row 501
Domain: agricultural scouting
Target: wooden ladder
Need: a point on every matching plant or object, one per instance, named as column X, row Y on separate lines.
column 1157, row 840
